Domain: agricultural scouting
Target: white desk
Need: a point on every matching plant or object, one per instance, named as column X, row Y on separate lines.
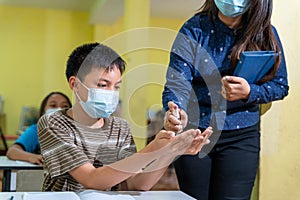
column 149, row 195
column 8, row 165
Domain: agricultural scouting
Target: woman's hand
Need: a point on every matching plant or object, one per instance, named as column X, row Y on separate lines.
column 235, row 88
column 172, row 122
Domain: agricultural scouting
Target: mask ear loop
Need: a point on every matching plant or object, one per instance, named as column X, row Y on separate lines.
column 78, row 97
column 83, row 84
column 76, row 93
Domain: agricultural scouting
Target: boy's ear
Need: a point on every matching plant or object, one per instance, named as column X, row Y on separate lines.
column 73, row 83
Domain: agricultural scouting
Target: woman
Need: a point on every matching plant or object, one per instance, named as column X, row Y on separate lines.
column 201, row 85
column 27, row 146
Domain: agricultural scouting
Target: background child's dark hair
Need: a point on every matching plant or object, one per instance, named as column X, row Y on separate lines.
column 88, row 56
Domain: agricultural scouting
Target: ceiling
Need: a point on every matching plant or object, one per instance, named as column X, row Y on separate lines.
column 108, row 11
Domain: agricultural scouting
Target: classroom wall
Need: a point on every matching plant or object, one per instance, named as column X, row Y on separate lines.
column 280, row 153
column 35, row 44
column 34, row 47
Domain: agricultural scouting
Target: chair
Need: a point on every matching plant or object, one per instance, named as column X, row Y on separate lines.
column 3, row 151
column 29, row 180
column 29, row 116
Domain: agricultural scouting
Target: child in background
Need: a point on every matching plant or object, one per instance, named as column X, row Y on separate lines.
column 27, row 146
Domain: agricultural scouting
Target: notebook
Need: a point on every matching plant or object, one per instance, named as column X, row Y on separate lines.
column 85, row 195
column 254, row 65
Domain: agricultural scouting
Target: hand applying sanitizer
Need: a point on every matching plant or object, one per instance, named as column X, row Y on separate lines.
column 175, row 118
column 176, row 114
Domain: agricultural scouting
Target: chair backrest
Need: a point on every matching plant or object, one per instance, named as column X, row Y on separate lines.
column 3, row 151
column 29, row 180
column 29, row 116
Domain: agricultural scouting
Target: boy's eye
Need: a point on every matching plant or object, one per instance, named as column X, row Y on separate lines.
column 101, row 85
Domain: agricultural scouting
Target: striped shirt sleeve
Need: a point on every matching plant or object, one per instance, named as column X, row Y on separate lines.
column 58, row 147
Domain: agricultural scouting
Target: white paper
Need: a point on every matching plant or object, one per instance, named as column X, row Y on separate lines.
column 96, row 195
column 85, row 195
column 13, row 181
column 50, row 196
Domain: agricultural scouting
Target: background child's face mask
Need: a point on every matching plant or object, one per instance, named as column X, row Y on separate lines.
column 52, row 110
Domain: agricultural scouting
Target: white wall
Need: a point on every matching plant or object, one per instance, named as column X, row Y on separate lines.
column 280, row 155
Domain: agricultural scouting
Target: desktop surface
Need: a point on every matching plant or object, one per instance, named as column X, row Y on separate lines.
column 135, row 195
column 8, row 166
column 6, row 163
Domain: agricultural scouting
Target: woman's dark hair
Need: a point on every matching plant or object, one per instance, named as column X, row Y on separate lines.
column 88, row 56
column 44, row 102
column 255, row 34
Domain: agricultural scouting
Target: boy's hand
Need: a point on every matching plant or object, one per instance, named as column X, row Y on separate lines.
column 199, row 141
column 188, row 142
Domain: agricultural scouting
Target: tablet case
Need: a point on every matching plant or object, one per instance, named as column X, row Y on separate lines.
column 254, row 65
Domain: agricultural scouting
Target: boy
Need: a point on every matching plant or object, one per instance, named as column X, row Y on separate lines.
column 85, row 147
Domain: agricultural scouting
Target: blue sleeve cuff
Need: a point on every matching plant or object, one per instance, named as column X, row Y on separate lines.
column 254, row 94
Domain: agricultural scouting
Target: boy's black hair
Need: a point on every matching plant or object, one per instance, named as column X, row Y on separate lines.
column 92, row 55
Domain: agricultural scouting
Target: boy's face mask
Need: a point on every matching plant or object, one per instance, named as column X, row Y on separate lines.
column 100, row 103
column 232, row 8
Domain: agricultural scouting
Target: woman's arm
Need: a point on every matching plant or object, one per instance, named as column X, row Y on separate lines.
column 237, row 88
column 275, row 89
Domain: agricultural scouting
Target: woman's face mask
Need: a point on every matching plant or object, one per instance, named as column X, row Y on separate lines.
column 232, row 8
column 100, row 103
